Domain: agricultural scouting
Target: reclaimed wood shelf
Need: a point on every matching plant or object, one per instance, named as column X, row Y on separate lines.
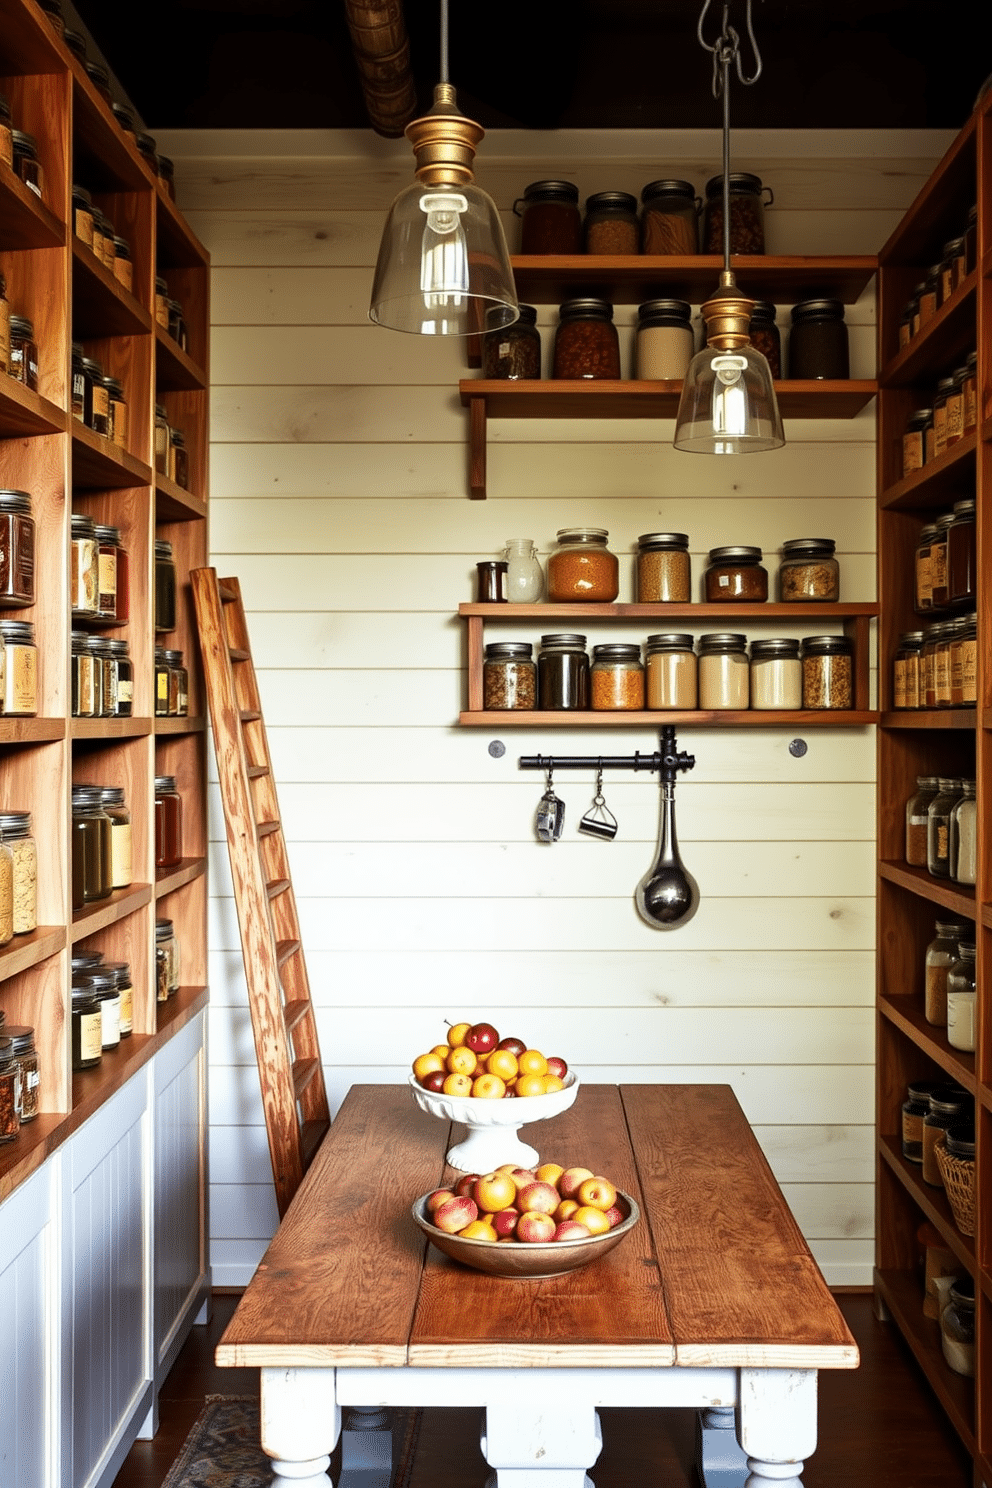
column 101, row 305
column 100, row 464
column 939, row 481
column 906, row 1013
column 548, row 278
column 958, row 898
column 25, row 413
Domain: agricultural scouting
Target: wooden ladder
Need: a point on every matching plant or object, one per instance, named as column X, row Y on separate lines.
column 294, row 1097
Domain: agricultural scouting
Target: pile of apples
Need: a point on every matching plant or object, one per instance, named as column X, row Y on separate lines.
column 476, row 1061
column 549, row 1203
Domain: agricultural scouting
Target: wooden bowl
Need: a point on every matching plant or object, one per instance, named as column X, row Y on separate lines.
column 493, row 1124
column 527, row 1262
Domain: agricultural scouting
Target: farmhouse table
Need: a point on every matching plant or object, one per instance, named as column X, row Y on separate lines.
column 712, row 1301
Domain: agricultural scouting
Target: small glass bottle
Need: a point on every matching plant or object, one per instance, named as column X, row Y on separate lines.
column 672, row 672
column 616, row 678
column 961, row 991
column 914, row 1110
column 949, row 1105
column 524, row 575
column 167, row 959
column 664, row 342
column 916, row 440
column 747, row 214
column 957, row 1327
column 550, row 221
column 28, row 1072
column 124, row 704
column 670, row 219
column 23, row 363
column 765, row 335
column 818, row 348
column 939, row 827
column 178, row 458
column 117, row 421
column 906, row 670
column 15, row 831
column 86, row 677
column 776, row 674
column 724, row 674
column 20, row 668
column 87, row 1029
column 161, row 440
column 178, row 685
column 610, row 225
column 98, row 410
column 960, row 538
column 114, row 575
column 17, row 539
column 941, row 954
column 513, row 352
column 26, row 162
column 165, row 587
column 563, row 672
column 168, row 823
column 82, row 215
column 586, row 342
column 10, row 1121
column 809, row 572
column 582, row 568
column 930, row 294
column 664, row 568
column 945, row 387
column 964, row 835
column 121, row 853
column 828, row 672
column 509, row 676
column 84, row 569
column 969, row 395
column 736, row 574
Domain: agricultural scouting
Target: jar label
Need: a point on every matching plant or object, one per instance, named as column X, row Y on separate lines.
column 969, row 660
column 162, row 311
column 912, row 670
column 124, row 272
column 938, row 566
column 83, row 223
column 899, row 685
column 121, row 862
column 970, row 404
column 120, row 424
column 127, row 1009
column 107, row 569
column 955, row 416
column 90, row 1036
column 912, row 451
column 125, row 690
column 21, row 690
column 101, row 402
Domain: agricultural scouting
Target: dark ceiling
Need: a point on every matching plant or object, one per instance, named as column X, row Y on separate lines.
column 549, row 64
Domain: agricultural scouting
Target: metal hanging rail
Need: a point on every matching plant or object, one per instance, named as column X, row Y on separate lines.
column 666, row 761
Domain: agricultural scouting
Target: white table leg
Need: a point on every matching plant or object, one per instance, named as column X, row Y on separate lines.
column 777, row 1424
column 719, row 1459
column 301, row 1420
column 542, row 1446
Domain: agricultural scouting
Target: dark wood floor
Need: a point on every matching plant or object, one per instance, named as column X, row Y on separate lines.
column 878, row 1425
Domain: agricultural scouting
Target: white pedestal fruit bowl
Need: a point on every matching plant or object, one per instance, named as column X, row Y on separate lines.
column 493, row 1125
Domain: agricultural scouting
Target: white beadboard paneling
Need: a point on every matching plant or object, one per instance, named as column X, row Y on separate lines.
column 827, row 1209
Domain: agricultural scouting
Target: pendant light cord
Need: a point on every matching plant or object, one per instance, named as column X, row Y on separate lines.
column 444, row 41
column 726, row 49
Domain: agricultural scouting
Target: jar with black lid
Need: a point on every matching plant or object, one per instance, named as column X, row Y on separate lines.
column 28, row 1074
column 939, row 826
column 100, row 78
column 969, row 394
column 165, row 586
column 586, row 341
column 509, row 676
column 166, row 960
column 917, row 441
column 178, row 458
column 99, row 410
column 177, row 325
column 87, row 1028
column 84, row 571
column 82, row 215
column 939, row 589
column 167, row 175
column 121, row 971
column 86, row 691
column 670, row 218
column 747, row 214
column 23, row 364
column 76, row 42
column 513, row 352
column 930, row 294
column 116, row 411
column 905, row 332
column 550, row 218
column 79, row 380
column 952, row 267
column 26, row 162
column 616, row 677
column 914, row 1110
column 53, row 10
column 665, row 340
column 672, row 679
column 161, row 440
column 17, row 535
column 125, row 678
column 818, row 347
column 124, row 117
column 955, row 407
column 123, row 263
column 178, row 685
column 957, row 1322
column 162, row 671
column 146, row 149
column 949, row 1105
column 736, row 574
column 962, row 989
column 106, row 993
column 112, row 573
column 906, row 670
column 945, row 387
column 162, row 302
column 91, row 844
column 610, row 225
column 664, row 568
column 16, row 833
column 765, row 336
column 828, row 671
column 563, row 672
column 809, row 572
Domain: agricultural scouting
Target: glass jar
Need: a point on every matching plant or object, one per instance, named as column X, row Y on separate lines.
column 952, row 267
column 26, row 163
column 114, row 575
column 916, row 820
column 161, row 440
column 672, row 680
column 917, row 440
column 610, row 225
column 178, row 458
column 162, row 303
column 616, row 678
column 964, row 662
column 121, row 853
column 736, row 574
column 20, row 697
column 15, row 831
column 905, row 331
column 165, row 586
column 747, row 214
column 123, row 263
column 828, row 672
column 177, row 325
column 100, row 78
column 509, row 676
column 939, row 827
column 914, row 1109
column 124, row 678
column 146, row 149
column 563, row 672
column 168, row 822
column 490, row 581
column 670, row 218
column 940, row 635
column 960, row 541
column 91, row 845
column 948, row 1106
column 4, row 327
column 809, row 572
column 79, row 389
column 122, row 974
column 664, row 568
column 955, row 408
column 99, row 250
column 166, row 959
column 776, row 674
column 969, row 395
column 664, row 342
column 28, row 1072
column 23, row 364
column 167, row 176
column 586, row 343
column 964, row 835
column 957, row 1327
column 178, row 685
column 524, row 575
column 84, row 569
column 928, row 683
column 582, row 568
column 930, row 294
column 87, row 1029
column 550, row 221
column 17, row 535
column 117, row 420
column 102, row 984
column 818, row 348
column 724, row 674
column 107, row 665
column 765, row 335
column 10, row 1121
column 513, row 352
column 906, row 670
column 6, row 893
column 961, row 989
column 98, row 408
column 162, row 670
column 941, row 954
column 82, row 215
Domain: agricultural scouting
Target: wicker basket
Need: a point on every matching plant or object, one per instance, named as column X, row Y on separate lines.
column 959, row 1181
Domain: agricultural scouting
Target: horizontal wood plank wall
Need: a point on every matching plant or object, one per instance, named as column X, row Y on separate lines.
column 338, row 480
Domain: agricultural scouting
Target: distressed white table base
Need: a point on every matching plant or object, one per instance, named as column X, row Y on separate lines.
column 549, row 1444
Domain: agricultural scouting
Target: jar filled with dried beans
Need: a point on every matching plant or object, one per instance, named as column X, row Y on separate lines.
column 664, row 568
column 513, row 352
column 509, row 676
column 586, row 341
column 809, row 572
column 747, row 214
column 550, row 221
column 581, row 567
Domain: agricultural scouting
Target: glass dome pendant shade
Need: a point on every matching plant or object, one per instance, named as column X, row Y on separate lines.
column 728, row 404
column 443, row 266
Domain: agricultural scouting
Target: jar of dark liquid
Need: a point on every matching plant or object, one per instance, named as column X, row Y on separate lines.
column 168, row 823
column 818, row 341
column 16, row 549
column 961, row 555
column 550, row 218
column 165, row 586
column 563, row 672
column 92, row 857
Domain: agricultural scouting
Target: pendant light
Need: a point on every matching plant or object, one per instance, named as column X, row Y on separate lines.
column 728, row 404
column 443, row 266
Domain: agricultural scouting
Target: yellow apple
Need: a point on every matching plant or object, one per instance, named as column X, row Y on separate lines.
column 571, row 1179
column 456, row 1034
column 461, row 1061
column 549, row 1172
column 597, row 1191
column 427, row 1064
column 457, row 1085
column 594, row 1220
column 494, row 1191
column 488, row 1087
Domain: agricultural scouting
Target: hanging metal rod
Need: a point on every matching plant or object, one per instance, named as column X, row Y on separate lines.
column 666, row 760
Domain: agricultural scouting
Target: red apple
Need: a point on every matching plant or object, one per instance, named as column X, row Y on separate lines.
column 535, row 1229
column 539, row 1198
column 505, row 1223
column 515, row 1045
column 455, row 1215
column 557, row 1066
column 437, row 1198
column 466, row 1184
column 521, row 1177
column 569, row 1229
column 571, row 1181
column 434, row 1081
column 482, row 1038
column 615, row 1215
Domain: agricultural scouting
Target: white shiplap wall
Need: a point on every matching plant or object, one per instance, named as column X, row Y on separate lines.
column 338, row 496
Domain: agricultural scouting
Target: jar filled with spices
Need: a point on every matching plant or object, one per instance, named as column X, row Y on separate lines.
column 616, row 678
column 957, row 1327
column 586, row 342
column 20, row 697
column 664, row 568
column 178, row 685
column 114, row 575
column 915, row 1108
column 964, row 661
column 610, row 225
column 961, row 991
column 940, row 637
column 86, row 677
column 916, row 440
column 91, row 844
column 509, row 676
column 818, row 348
column 79, row 391
column 747, row 214
column 6, row 893
column 828, row 672
column 945, row 387
column 161, row 440
column 916, row 819
column 121, row 854
column 930, row 294
column 949, row 1105
column 724, row 674
column 776, row 674
column 84, row 569
column 82, row 215
column 10, row 1121
column 736, row 574
column 178, row 458
column 124, row 694
column 87, row 1029
column 167, row 959
column 15, row 830
column 169, row 822
column 116, row 411
column 952, row 268
column 524, row 575
column 98, row 417
column 26, row 162
column 550, row 221
column 809, row 572
column 28, row 1072
column 513, row 352
column 964, row 835
column 582, row 568
column 955, row 407
column 23, row 364
column 664, row 341
column 17, row 535
column 941, row 954
column 670, row 218
column 672, row 673
column 765, row 335
column 939, row 826
column 906, row 670
column 165, row 586
column 563, row 672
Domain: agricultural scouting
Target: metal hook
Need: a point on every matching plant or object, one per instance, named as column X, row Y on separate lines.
column 726, row 48
column 599, row 820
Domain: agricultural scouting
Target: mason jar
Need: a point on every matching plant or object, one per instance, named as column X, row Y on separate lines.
column 582, row 568
column 15, row 831
column 168, row 823
column 586, row 342
column 776, row 674
column 550, row 221
column 513, row 352
column 121, row 971
column 6, row 893
column 957, row 1327
column 724, row 675
column 17, row 547
column 939, row 827
column 735, row 574
column 616, row 678
column 916, row 819
column 610, row 225
column 10, row 1121
column 828, row 672
column 961, row 992
column 84, row 569
column 20, row 668
column 809, row 572
column 670, row 218
column 165, row 586
column 23, row 363
column 941, row 954
column 509, row 676
column 765, row 336
column 87, row 1029
column 818, row 347
column 964, row 835
column 28, row 1071
column 91, row 845
column 672, row 673
column 563, row 672
column 906, row 670
column 167, row 945
column 121, row 853
column 524, row 575
column 664, row 341
column 747, row 214
column 664, row 568
column 124, row 704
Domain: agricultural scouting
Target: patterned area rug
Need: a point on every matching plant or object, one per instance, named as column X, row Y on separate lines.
column 223, row 1451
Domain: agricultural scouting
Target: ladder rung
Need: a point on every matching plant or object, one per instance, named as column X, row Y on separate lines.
column 295, row 1012
column 285, row 949
column 227, row 591
column 312, row 1135
column 250, row 715
column 255, row 772
column 276, row 887
column 266, row 828
column 303, row 1072
column 237, row 654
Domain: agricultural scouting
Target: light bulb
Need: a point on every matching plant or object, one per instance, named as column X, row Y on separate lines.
column 444, row 277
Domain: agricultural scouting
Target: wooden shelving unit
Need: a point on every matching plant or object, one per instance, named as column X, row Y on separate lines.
column 944, row 741
column 56, row 280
